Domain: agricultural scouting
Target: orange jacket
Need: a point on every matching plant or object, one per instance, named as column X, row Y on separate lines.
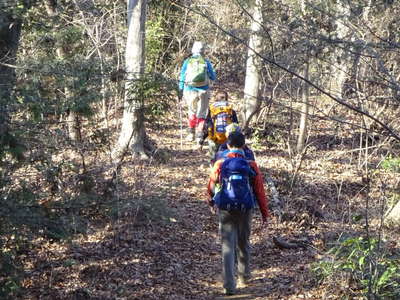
column 257, row 183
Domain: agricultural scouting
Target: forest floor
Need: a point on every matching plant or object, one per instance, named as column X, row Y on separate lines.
column 163, row 243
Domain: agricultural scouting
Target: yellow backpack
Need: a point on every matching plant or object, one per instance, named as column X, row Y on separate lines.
column 221, row 116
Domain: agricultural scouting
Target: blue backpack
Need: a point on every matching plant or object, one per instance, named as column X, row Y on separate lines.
column 236, row 192
column 223, row 151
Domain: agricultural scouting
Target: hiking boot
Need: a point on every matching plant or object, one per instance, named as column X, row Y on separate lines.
column 190, row 137
column 198, row 147
column 199, row 142
column 229, row 292
column 243, row 281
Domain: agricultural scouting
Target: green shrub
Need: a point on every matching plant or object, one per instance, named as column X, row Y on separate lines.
column 391, row 164
column 10, row 274
column 155, row 94
column 375, row 273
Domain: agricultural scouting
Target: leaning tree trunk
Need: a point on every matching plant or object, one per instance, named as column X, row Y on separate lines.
column 393, row 216
column 133, row 132
column 10, row 30
column 252, row 81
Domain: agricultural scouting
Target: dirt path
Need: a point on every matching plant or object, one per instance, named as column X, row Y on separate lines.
column 168, row 247
column 189, row 262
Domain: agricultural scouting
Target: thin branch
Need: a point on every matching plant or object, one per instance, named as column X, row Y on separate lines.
column 276, row 64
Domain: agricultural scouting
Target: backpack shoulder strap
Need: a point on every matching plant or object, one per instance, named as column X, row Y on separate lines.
column 224, row 171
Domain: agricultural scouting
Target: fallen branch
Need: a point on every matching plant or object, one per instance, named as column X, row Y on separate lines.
column 282, row 244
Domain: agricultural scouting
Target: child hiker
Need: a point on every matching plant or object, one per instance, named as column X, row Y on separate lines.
column 223, row 148
column 220, row 115
column 234, row 186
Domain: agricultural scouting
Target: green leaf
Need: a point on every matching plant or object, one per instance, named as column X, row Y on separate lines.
column 361, row 262
column 357, row 218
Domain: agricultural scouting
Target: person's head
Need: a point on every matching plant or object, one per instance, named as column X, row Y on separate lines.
column 197, row 48
column 233, row 127
column 236, row 140
column 221, row 96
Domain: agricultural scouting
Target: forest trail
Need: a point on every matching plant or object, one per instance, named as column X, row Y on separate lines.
column 187, row 259
column 166, row 245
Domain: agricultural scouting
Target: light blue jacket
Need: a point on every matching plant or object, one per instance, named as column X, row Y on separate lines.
column 182, row 85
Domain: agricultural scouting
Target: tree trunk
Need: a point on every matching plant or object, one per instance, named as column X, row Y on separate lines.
column 393, row 216
column 10, row 30
column 341, row 57
column 304, row 112
column 132, row 131
column 252, row 80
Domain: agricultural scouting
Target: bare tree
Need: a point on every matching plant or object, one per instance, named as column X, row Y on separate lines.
column 133, row 132
column 305, row 95
column 253, row 64
column 341, row 56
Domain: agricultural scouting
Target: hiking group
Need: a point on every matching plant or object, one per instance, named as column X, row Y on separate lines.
column 235, row 186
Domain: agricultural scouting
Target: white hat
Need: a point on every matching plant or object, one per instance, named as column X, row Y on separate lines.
column 197, row 47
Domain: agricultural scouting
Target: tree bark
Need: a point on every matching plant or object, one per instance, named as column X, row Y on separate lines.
column 341, row 58
column 133, row 132
column 10, row 31
column 393, row 216
column 304, row 112
column 252, row 81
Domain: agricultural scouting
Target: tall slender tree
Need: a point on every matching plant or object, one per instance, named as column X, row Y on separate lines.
column 341, row 59
column 253, row 64
column 133, row 132
column 305, row 95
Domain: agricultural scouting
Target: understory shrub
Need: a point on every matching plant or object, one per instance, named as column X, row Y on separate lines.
column 371, row 271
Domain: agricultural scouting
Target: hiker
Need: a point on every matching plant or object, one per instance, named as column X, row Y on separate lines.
column 220, row 115
column 195, row 76
column 234, row 186
column 223, row 148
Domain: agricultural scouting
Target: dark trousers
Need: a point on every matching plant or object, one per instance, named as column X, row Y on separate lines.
column 235, row 228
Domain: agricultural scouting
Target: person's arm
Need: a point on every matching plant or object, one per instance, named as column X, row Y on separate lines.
column 213, row 180
column 258, row 187
column 234, row 117
column 248, row 153
column 210, row 125
column 182, row 75
column 210, row 71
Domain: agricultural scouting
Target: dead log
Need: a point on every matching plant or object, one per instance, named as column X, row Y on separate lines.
column 282, row 244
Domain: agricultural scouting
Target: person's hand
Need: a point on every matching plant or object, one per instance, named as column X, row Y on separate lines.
column 213, row 209
column 180, row 96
